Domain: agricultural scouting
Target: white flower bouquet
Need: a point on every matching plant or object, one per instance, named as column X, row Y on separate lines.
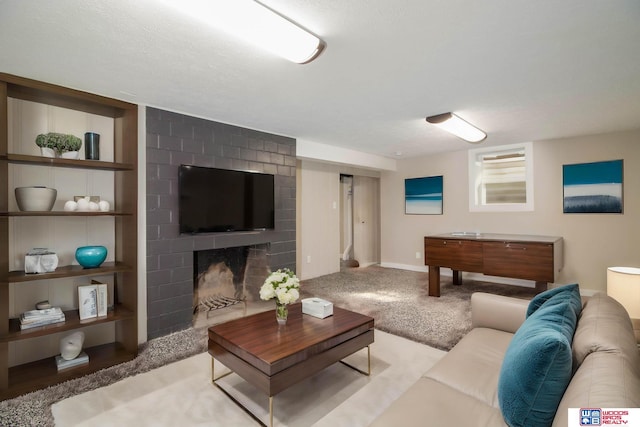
column 282, row 285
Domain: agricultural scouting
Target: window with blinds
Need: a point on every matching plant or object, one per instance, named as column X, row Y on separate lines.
column 501, row 178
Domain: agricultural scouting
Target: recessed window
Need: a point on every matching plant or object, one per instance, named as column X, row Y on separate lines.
column 501, row 178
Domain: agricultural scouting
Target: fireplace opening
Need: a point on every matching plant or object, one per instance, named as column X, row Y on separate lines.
column 227, row 277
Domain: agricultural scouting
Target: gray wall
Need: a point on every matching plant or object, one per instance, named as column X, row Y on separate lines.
column 173, row 139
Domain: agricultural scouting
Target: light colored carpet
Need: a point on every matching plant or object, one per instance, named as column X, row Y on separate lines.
column 181, row 393
column 399, row 301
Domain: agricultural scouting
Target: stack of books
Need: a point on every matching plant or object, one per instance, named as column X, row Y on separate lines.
column 62, row 364
column 36, row 318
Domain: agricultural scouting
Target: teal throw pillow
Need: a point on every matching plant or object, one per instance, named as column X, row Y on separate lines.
column 537, row 366
column 569, row 292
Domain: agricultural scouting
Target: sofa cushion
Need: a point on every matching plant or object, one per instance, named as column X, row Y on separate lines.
column 604, row 325
column 431, row 403
column 606, row 357
column 473, row 366
column 537, row 366
column 604, row 380
column 570, row 292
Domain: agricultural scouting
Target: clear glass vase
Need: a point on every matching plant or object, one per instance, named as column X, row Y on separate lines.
column 282, row 312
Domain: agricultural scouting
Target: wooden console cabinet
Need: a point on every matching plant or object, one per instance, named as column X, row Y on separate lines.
column 536, row 258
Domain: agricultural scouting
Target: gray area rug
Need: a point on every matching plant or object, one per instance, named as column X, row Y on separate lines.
column 399, row 302
column 396, row 299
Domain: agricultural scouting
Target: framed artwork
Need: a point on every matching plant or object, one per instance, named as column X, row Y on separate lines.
column 593, row 187
column 423, row 196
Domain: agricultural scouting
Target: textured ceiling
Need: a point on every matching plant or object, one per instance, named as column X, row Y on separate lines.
column 519, row 70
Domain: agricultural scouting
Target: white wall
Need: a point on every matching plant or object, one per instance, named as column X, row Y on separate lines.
column 309, row 150
column 592, row 242
column 366, row 220
column 318, row 216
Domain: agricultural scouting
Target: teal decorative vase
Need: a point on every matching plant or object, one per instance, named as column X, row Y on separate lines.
column 91, row 256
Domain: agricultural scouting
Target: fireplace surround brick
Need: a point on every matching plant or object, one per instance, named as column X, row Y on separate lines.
column 173, row 139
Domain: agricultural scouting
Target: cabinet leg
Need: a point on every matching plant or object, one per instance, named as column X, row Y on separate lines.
column 434, row 281
column 457, row 277
column 541, row 286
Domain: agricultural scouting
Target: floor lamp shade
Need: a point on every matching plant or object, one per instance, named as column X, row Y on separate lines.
column 623, row 284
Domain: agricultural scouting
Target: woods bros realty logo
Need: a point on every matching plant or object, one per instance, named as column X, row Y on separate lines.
column 604, row 416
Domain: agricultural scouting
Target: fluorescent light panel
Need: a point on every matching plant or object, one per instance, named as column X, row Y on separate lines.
column 458, row 127
column 256, row 24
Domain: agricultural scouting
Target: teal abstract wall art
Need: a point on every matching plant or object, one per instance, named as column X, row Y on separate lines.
column 593, row 187
column 423, row 196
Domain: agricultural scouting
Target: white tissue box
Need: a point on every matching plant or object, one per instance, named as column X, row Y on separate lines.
column 40, row 260
column 317, row 307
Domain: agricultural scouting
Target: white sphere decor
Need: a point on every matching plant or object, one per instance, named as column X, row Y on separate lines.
column 104, row 206
column 83, row 205
column 70, row 206
column 71, row 345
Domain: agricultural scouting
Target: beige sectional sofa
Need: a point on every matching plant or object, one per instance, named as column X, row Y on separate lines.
column 462, row 388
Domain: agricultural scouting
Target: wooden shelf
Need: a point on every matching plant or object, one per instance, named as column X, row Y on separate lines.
column 69, row 271
column 45, row 93
column 43, row 373
column 72, row 321
column 64, row 213
column 65, row 163
column 123, row 171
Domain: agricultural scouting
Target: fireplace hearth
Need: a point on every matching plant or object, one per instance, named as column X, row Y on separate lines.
column 227, row 276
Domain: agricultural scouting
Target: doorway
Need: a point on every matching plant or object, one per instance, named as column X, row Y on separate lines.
column 359, row 220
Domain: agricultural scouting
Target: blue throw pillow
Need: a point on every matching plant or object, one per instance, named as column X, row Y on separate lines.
column 570, row 292
column 537, row 366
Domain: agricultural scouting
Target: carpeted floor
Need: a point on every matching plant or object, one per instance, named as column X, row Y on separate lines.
column 34, row 409
column 397, row 299
column 181, row 393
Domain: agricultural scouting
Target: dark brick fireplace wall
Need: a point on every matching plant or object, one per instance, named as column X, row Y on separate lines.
column 173, row 139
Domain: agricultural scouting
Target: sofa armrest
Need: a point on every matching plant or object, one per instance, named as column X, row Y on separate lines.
column 497, row 312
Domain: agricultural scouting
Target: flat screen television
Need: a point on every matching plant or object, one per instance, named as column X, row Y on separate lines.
column 218, row 200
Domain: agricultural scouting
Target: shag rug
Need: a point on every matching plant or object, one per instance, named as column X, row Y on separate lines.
column 397, row 299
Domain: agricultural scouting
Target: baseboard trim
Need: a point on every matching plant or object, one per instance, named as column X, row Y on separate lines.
column 410, row 267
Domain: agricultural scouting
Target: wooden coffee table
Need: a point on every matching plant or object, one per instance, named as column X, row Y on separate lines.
column 273, row 357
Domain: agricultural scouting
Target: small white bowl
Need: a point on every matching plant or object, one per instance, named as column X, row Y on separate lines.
column 35, row 199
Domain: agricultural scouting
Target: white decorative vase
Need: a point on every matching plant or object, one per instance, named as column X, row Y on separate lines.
column 70, row 155
column 71, row 345
column 47, row 152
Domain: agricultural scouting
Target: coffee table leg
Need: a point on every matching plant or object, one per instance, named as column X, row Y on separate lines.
column 213, row 377
column 236, row 401
column 270, row 411
column 368, row 371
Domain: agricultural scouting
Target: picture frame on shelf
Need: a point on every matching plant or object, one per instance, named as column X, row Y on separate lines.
column 87, row 301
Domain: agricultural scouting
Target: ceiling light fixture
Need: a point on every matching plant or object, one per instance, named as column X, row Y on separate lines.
column 455, row 125
column 256, row 24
